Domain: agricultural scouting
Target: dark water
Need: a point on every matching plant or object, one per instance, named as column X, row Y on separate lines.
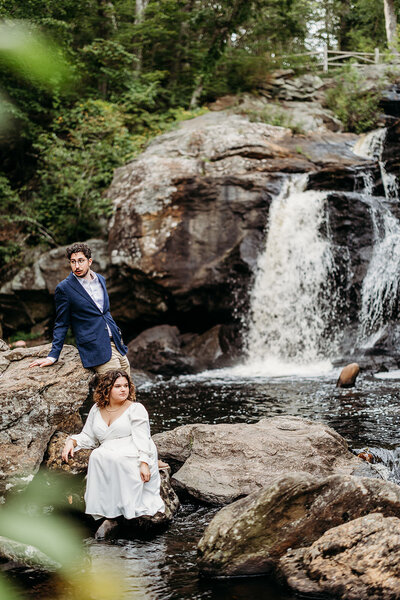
column 165, row 567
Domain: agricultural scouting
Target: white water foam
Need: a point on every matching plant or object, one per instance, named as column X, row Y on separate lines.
column 289, row 311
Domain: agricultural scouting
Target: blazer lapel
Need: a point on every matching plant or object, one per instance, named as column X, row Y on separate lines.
column 80, row 289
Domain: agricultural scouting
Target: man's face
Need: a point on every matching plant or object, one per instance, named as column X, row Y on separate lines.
column 80, row 265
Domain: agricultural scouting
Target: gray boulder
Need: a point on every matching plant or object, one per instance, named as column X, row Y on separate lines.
column 221, row 463
column 250, row 536
column 359, row 560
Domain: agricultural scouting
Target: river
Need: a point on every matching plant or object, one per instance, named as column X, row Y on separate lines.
column 165, row 567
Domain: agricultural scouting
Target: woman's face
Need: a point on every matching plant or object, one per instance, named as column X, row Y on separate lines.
column 120, row 390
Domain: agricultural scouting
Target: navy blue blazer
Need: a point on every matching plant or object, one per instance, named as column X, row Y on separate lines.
column 75, row 308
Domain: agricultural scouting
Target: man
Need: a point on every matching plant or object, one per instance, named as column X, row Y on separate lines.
column 82, row 303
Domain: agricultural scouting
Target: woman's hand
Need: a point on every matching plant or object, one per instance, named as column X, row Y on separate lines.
column 68, row 449
column 144, row 472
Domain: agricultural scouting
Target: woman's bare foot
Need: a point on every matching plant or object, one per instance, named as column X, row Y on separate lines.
column 162, row 464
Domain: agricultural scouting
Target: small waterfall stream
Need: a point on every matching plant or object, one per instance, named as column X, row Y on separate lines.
column 290, row 306
column 380, row 288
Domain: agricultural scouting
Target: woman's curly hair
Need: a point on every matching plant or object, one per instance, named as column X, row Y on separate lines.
column 104, row 386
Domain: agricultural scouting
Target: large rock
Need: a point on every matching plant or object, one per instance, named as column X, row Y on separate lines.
column 249, row 536
column 34, row 403
column 78, row 466
column 359, row 560
column 158, row 350
column 224, row 462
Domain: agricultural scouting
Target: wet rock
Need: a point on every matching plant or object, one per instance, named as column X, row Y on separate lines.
column 194, row 260
column 348, row 376
column 171, row 502
column 159, row 350
column 34, row 404
column 250, row 535
column 25, row 555
column 358, row 560
column 224, row 462
column 106, row 529
column 163, row 350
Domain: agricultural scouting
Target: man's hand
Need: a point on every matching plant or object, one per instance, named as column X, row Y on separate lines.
column 42, row 362
column 144, row 472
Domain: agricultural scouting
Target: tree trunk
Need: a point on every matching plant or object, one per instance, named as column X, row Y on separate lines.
column 196, row 95
column 141, row 6
column 391, row 25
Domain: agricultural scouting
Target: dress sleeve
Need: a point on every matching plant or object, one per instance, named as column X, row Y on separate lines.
column 86, row 438
column 140, row 431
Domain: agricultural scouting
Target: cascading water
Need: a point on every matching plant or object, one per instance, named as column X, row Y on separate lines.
column 381, row 283
column 289, row 304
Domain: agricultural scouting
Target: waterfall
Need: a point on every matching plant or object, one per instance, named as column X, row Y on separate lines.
column 380, row 288
column 290, row 307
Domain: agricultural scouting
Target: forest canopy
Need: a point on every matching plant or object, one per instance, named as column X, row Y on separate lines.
column 136, row 67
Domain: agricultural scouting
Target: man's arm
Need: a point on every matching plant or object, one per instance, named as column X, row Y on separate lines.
column 61, row 326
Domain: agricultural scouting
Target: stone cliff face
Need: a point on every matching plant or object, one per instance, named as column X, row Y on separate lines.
column 189, row 221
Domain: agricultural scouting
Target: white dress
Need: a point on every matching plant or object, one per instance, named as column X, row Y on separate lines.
column 114, row 486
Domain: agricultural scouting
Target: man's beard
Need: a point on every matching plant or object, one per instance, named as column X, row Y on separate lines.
column 83, row 274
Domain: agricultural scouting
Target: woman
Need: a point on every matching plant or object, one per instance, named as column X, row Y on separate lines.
column 123, row 477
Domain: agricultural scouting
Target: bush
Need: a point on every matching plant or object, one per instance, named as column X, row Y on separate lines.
column 356, row 106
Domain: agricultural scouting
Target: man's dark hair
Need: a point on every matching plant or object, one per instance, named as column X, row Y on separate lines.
column 79, row 247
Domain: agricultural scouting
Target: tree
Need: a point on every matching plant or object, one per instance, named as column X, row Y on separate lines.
column 391, row 25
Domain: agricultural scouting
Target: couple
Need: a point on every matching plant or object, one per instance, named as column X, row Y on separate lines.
column 126, row 461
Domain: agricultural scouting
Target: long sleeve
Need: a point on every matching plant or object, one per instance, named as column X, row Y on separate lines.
column 61, row 324
column 86, row 438
column 140, row 431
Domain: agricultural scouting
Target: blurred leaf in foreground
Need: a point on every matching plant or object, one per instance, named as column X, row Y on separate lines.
column 31, row 55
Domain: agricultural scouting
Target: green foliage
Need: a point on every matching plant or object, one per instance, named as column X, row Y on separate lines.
column 355, row 106
column 9, row 209
column 76, row 160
